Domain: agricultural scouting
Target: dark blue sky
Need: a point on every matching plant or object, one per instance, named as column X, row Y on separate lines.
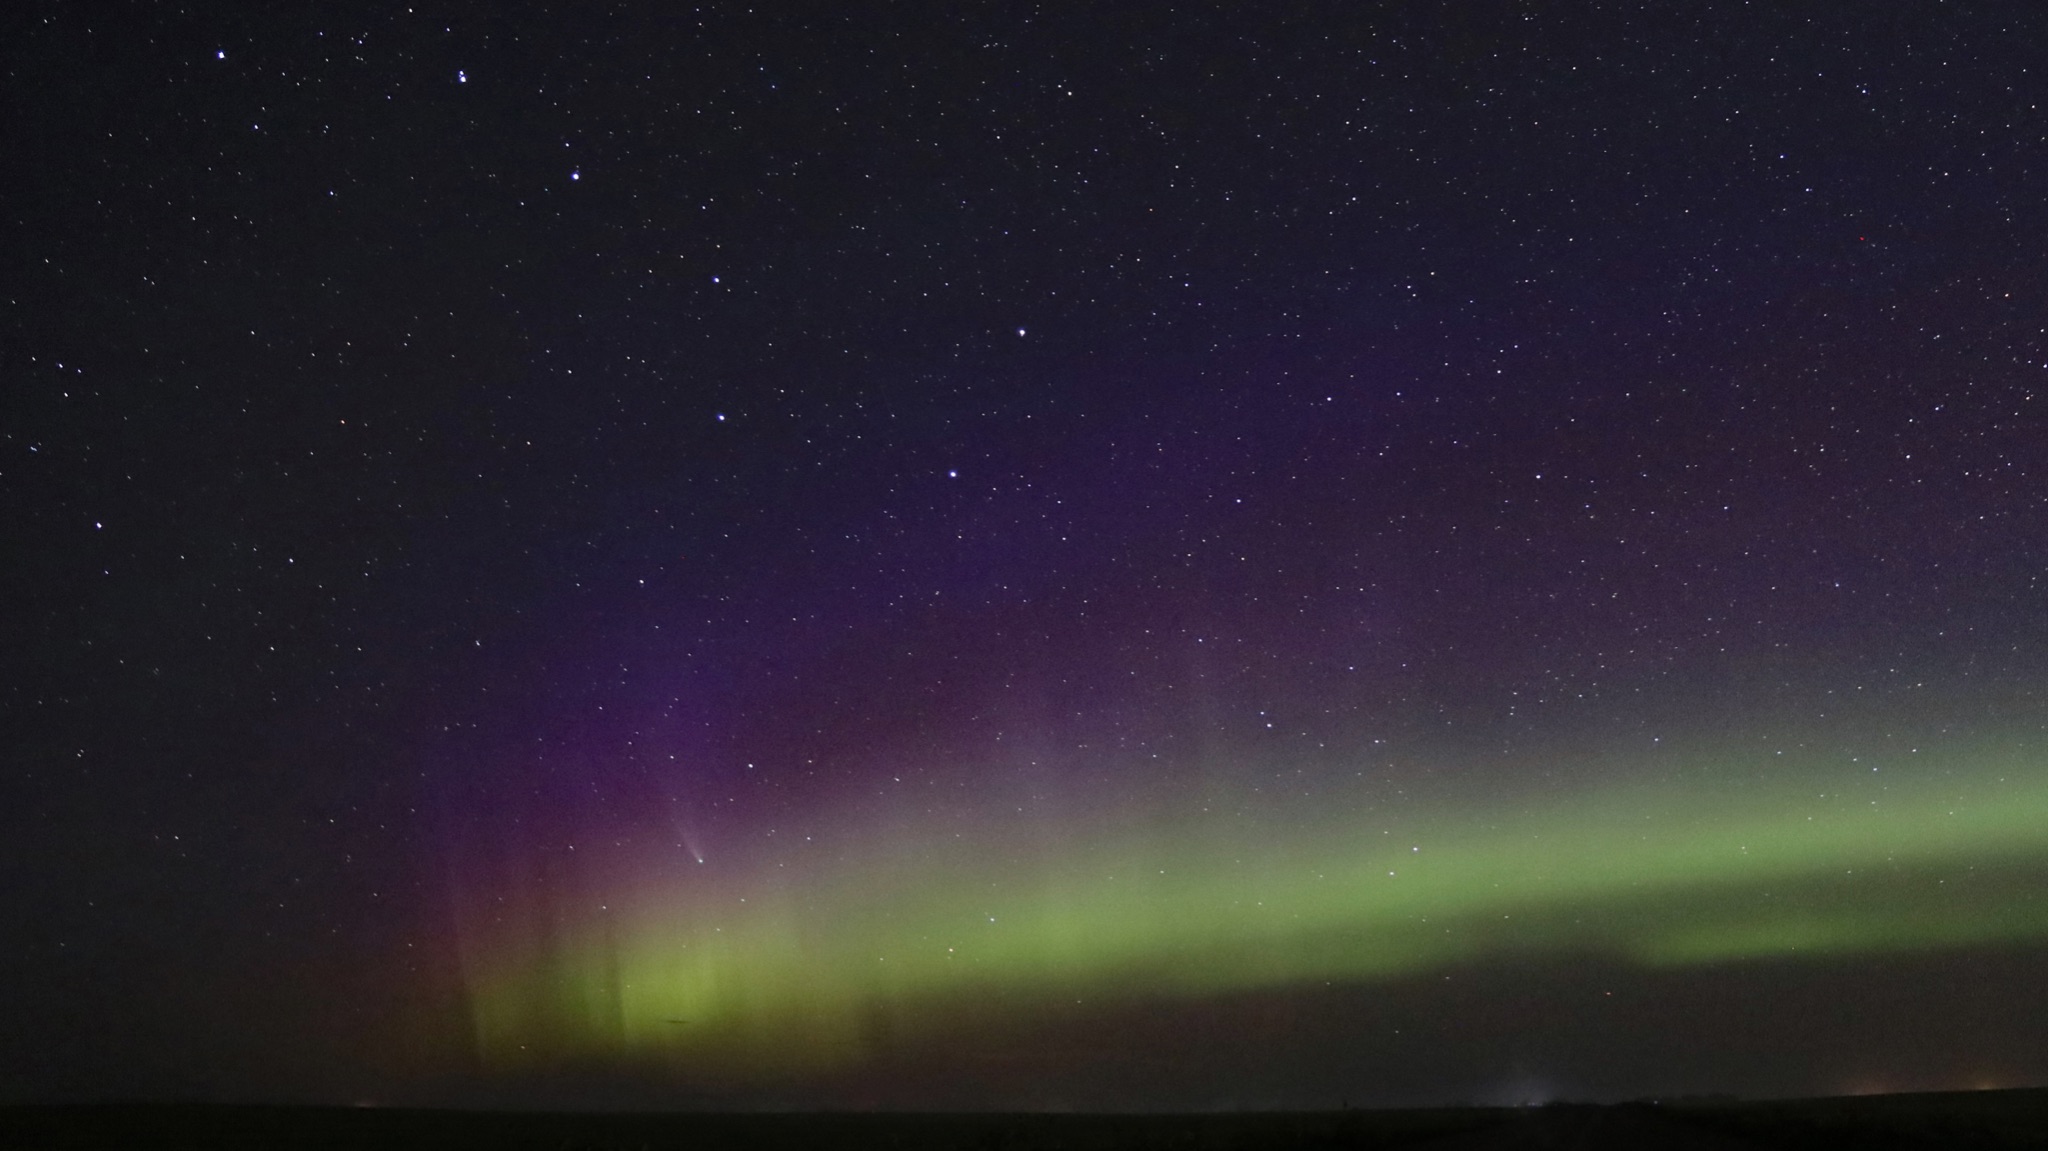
column 422, row 422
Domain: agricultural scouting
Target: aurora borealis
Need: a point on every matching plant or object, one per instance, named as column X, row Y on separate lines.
column 992, row 557
column 778, row 972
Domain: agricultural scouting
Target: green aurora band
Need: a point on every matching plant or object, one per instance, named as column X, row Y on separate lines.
column 802, row 968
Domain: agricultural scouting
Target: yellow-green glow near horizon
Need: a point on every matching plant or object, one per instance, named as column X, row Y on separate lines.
column 786, row 970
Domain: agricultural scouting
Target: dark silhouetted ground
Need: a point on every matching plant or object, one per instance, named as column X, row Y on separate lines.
column 1989, row 1119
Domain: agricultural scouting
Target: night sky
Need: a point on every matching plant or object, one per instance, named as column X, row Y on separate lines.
column 996, row 555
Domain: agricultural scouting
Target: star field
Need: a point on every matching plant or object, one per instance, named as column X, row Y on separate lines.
column 1001, row 557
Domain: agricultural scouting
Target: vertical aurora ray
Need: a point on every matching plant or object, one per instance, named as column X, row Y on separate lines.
column 777, row 967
